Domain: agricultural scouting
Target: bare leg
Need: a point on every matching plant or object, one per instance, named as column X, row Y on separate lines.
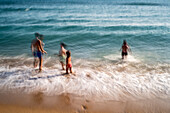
column 125, row 56
column 40, row 64
column 122, row 56
column 62, row 64
column 70, row 69
column 66, row 70
column 35, row 62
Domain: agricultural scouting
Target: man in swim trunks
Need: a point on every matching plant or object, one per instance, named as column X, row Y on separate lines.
column 34, row 49
column 125, row 48
column 37, row 51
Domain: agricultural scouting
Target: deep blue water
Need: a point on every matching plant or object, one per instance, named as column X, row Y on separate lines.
column 91, row 29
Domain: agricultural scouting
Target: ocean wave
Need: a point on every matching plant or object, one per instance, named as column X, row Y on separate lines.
column 77, row 2
column 134, row 27
column 72, row 28
column 107, row 80
column 25, row 9
column 144, row 4
column 12, row 9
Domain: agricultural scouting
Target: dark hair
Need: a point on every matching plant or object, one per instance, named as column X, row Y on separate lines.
column 68, row 53
column 37, row 34
column 41, row 36
column 124, row 42
column 63, row 44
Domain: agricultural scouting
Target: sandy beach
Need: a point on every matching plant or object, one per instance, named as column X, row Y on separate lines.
column 67, row 103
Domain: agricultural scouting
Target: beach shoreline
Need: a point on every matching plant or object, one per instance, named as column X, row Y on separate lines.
column 68, row 103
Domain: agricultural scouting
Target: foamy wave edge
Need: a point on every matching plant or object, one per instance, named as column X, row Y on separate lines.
column 98, row 80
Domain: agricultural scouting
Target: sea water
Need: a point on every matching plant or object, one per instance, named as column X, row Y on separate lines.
column 94, row 31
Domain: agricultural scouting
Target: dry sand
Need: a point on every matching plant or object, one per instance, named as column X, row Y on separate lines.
column 67, row 103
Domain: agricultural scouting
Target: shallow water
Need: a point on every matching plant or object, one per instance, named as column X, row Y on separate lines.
column 100, row 80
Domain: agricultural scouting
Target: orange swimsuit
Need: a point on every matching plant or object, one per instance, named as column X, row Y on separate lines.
column 69, row 65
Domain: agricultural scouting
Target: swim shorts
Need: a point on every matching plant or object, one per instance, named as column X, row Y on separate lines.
column 39, row 54
column 69, row 65
column 124, row 53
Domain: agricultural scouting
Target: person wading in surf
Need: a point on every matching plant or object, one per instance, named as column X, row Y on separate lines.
column 62, row 55
column 68, row 62
column 125, row 48
column 37, row 51
column 34, row 50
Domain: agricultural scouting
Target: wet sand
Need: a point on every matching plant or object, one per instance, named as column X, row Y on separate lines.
column 68, row 103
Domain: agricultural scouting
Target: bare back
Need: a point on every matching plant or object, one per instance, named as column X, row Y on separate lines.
column 68, row 60
column 62, row 51
column 125, row 48
column 38, row 45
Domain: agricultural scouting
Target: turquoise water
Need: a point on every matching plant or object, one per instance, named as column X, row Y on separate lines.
column 94, row 31
column 89, row 29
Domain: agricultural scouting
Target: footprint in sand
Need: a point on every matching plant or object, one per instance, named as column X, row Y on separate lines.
column 38, row 97
column 84, row 107
column 65, row 98
column 87, row 100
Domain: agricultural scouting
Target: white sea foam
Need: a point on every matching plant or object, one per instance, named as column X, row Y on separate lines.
column 98, row 80
column 130, row 58
column 27, row 9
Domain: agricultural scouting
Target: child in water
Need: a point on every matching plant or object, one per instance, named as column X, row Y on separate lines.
column 68, row 62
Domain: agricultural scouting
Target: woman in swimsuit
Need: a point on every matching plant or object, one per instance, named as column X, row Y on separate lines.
column 62, row 55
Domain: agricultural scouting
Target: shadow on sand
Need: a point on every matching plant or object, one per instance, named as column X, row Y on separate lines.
column 47, row 77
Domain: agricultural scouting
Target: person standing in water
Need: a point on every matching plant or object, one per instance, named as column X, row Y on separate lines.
column 68, row 62
column 34, row 49
column 37, row 45
column 125, row 48
column 62, row 55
